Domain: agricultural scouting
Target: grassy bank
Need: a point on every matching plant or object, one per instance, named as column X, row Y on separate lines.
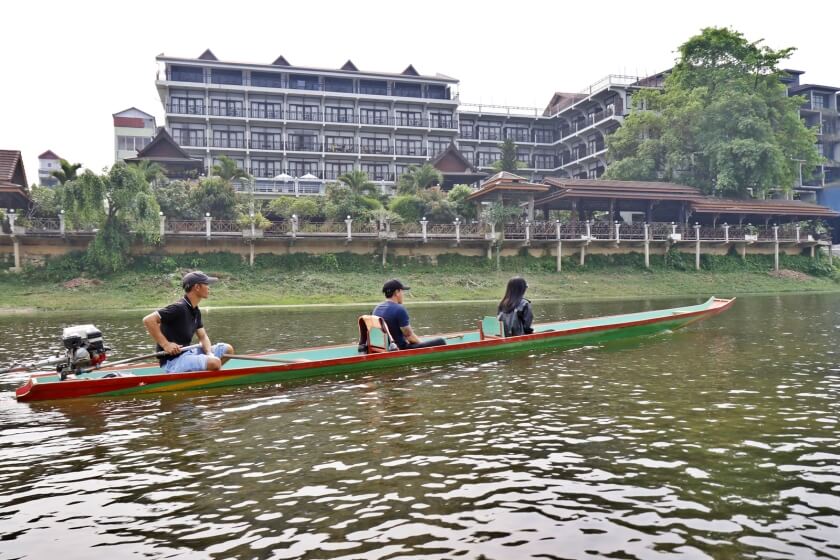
column 333, row 279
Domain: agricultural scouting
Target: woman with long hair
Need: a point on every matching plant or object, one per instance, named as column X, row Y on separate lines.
column 514, row 310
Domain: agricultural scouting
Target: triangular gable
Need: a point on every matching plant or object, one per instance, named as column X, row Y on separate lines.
column 49, row 154
column 162, row 145
column 349, row 66
column 207, row 55
column 410, row 71
column 280, row 61
column 133, row 112
column 452, row 160
column 11, row 168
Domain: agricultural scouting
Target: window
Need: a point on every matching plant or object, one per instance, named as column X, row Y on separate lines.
column 227, row 108
column 436, row 92
column 226, row 138
column 437, row 147
column 302, row 167
column 441, row 120
column 297, row 81
column 819, row 101
column 186, row 105
column 338, row 114
column 185, row 136
column 466, row 129
column 524, row 157
column 266, row 110
column 489, row 132
column 131, row 143
column 303, row 113
column 186, row 74
column 410, row 118
column 407, row 90
column 265, row 168
column 373, row 87
column 340, row 144
column 233, row 77
column 266, row 140
column 376, row 171
column 409, row 147
column 266, row 79
column 342, row 85
column 543, row 135
column 373, row 116
column 544, row 161
column 486, row 159
column 334, row 170
column 375, row 146
column 517, row 134
column 303, row 142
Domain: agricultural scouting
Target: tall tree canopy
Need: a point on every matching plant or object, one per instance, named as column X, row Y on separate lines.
column 116, row 203
column 722, row 123
column 67, row 172
column 510, row 158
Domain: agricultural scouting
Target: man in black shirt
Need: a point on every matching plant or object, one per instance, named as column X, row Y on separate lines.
column 174, row 326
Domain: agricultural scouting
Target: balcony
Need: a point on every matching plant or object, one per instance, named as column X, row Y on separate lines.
column 266, row 144
column 222, row 111
column 410, row 121
column 273, row 114
column 265, row 172
column 373, row 149
column 303, row 116
column 340, row 147
column 190, row 141
column 185, row 109
column 489, row 135
column 333, row 117
column 307, row 146
column 379, row 120
column 411, row 151
column 235, row 143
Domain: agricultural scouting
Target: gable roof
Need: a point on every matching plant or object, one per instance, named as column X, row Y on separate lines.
column 163, row 146
column 207, row 55
column 453, row 154
column 49, row 154
column 133, row 112
column 13, row 190
column 410, row 71
column 349, row 66
column 280, row 61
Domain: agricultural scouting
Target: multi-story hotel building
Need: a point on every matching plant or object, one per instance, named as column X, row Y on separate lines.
column 282, row 122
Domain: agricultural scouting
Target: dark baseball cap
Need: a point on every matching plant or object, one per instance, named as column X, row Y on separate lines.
column 393, row 285
column 190, row 279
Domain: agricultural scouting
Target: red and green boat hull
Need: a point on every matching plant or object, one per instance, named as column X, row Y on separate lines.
column 343, row 359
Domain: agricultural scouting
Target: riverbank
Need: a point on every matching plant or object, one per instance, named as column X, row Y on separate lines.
column 148, row 290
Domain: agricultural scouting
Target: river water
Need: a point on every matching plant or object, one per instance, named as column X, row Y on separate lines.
column 717, row 441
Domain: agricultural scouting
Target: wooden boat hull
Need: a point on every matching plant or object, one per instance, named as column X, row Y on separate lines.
column 331, row 360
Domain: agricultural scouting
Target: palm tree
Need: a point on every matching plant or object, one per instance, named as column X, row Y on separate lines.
column 416, row 179
column 67, row 171
column 151, row 171
column 227, row 170
column 509, row 161
column 358, row 182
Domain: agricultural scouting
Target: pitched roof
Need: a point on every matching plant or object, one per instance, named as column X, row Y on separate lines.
column 11, row 168
column 450, row 153
column 163, row 146
column 280, row 61
column 410, row 71
column 349, row 66
column 207, row 55
column 510, row 184
column 708, row 205
column 49, row 154
column 133, row 112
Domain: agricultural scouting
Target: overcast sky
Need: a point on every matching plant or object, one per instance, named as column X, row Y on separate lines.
column 68, row 66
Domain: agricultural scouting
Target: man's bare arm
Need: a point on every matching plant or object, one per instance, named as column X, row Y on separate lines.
column 409, row 335
column 205, row 341
column 152, row 324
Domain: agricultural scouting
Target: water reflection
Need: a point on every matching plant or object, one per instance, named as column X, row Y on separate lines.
column 716, row 441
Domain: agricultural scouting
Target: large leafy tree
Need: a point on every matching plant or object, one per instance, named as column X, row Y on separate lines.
column 509, row 160
column 416, row 179
column 214, row 195
column 152, row 171
column 722, row 123
column 120, row 204
column 68, row 171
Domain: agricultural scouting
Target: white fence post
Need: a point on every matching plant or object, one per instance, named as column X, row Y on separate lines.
column 294, row 225
column 349, row 222
column 559, row 247
column 726, row 233
column 647, row 245
column 207, row 220
column 162, row 224
column 775, row 247
column 62, row 227
column 423, row 223
column 697, row 246
column 617, row 232
column 458, row 231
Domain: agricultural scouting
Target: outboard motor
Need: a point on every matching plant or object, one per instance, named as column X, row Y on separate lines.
column 84, row 348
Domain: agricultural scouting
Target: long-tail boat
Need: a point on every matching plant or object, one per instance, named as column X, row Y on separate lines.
column 374, row 353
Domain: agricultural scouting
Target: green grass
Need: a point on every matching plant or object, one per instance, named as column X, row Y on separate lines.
column 343, row 278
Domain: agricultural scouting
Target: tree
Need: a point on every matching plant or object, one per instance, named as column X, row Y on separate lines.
column 174, row 201
column 409, row 207
column 44, row 202
column 151, row 170
column 340, row 202
column 305, row 208
column 722, row 123
column 67, row 172
column 227, row 170
column 415, row 179
column 509, row 161
column 359, row 183
column 462, row 207
column 216, row 196
column 120, row 204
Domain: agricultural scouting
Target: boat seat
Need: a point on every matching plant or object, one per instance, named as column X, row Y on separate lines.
column 374, row 336
column 490, row 327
